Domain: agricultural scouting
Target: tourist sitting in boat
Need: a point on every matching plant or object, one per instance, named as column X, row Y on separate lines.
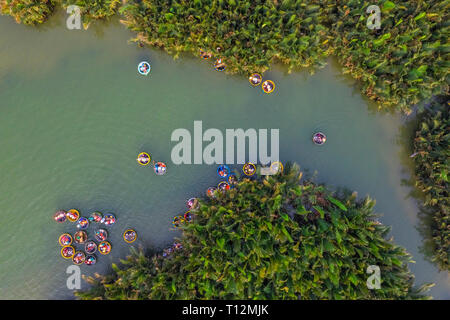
column 219, row 65
column 96, row 217
column 108, row 219
column 79, row 257
column 232, row 180
column 104, row 247
column 73, row 215
column 160, row 168
column 143, row 158
column 188, row 216
column 319, row 138
column 82, row 223
column 255, row 79
column 177, row 246
column 101, row 235
column 249, row 169
column 177, row 221
column 210, row 192
column 205, row 55
column 276, row 167
column 144, row 68
column 223, row 171
column 268, row 86
column 90, row 260
column 130, row 236
column 60, row 216
column 90, row 247
column 192, row 203
column 80, row 237
column 65, row 239
column 67, row 252
column 223, row 186
column 167, row 252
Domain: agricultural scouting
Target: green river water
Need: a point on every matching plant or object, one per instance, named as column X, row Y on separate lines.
column 74, row 114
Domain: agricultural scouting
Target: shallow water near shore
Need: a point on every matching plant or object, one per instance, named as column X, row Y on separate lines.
column 74, row 114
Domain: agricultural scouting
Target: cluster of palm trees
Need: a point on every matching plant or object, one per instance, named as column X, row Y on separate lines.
column 432, row 161
column 398, row 65
column 32, row 12
column 403, row 62
column 94, row 10
column 29, row 12
column 271, row 238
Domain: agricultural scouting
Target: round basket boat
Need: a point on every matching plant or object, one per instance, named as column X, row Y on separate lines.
column 96, row 217
column 319, row 138
column 79, row 257
column 192, row 203
column 167, row 252
column 130, row 236
column 177, row 221
column 101, row 235
column 223, row 186
column 232, row 180
column 188, row 216
column 60, row 216
column 205, row 55
column 160, row 168
column 67, row 252
column 109, row 219
column 210, row 192
column 143, row 158
column 90, row 247
column 82, row 223
column 104, row 247
column 73, row 215
column 255, row 79
column 268, row 86
column 249, row 169
column 65, row 239
column 80, row 237
column 144, row 68
column 90, row 260
column 219, row 65
column 177, row 246
column 223, row 171
column 276, row 167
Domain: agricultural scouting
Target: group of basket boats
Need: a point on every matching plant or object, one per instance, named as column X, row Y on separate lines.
column 256, row 79
column 80, row 237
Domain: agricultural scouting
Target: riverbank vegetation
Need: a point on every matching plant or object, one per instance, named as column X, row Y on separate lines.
column 432, row 163
column 275, row 238
column 94, row 10
column 29, row 12
column 397, row 66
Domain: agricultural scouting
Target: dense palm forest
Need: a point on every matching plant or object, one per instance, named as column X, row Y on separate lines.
column 432, row 158
column 275, row 238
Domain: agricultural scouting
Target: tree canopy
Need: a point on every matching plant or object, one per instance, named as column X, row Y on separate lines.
column 432, row 160
column 271, row 238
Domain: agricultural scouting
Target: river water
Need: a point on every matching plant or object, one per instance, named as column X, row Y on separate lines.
column 74, row 113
